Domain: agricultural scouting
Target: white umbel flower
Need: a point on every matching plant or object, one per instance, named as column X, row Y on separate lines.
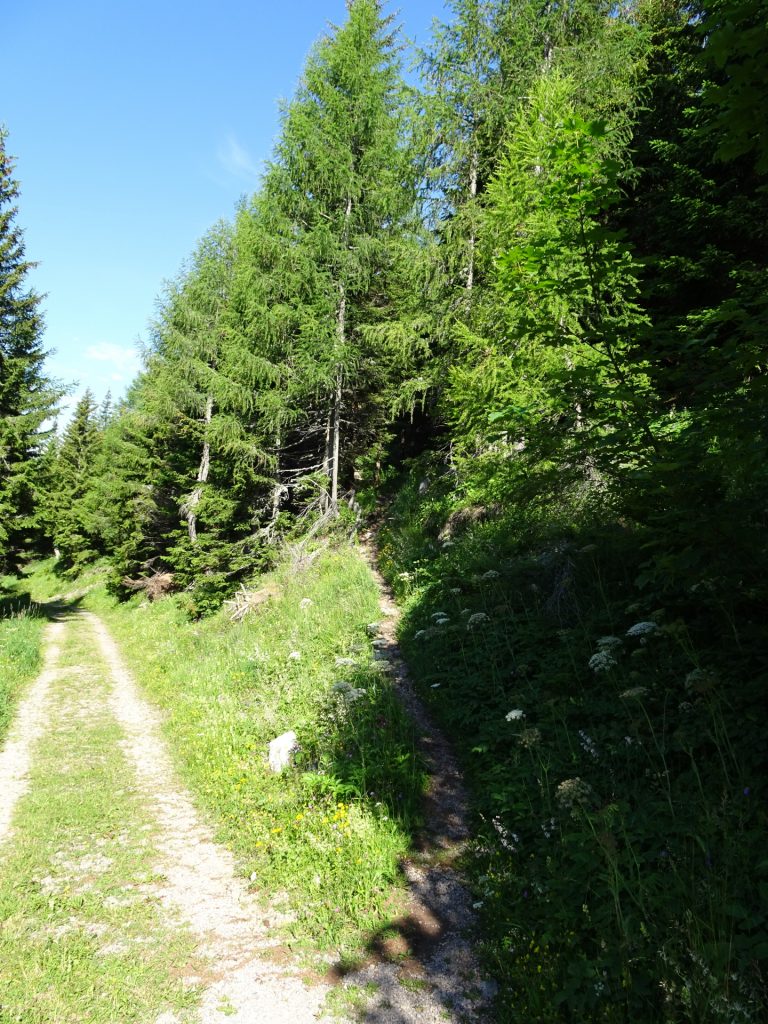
column 603, row 661
column 642, row 629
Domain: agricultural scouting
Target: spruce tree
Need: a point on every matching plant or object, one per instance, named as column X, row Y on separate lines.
column 73, row 512
column 27, row 398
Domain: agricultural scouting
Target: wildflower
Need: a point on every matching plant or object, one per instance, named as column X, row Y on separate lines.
column 507, row 839
column 455, row 590
column 305, row 602
column 603, row 661
column 438, row 615
column 490, row 575
column 419, row 634
column 529, row 738
column 548, row 828
column 609, row 643
column 573, row 792
column 476, row 619
column 476, row 906
column 588, row 744
column 295, row 656
column 442, row 622
column 435, row 686
column 634, row 692
column 515, row 715
column 642, row 629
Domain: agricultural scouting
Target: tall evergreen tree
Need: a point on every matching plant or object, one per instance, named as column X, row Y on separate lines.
column 478, row 75
column 27, row 398
column 343, row 180
column 73, row 512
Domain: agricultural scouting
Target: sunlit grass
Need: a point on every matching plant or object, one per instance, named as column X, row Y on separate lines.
column 21, row 633
column 81, row 938
column 325, row 836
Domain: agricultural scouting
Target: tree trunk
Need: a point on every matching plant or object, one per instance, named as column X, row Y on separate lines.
column 202, row 476
column 473, row 169
column 336, row 439
column 341, row 336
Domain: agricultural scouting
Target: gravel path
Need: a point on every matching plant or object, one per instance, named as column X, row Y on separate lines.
column 197, row 881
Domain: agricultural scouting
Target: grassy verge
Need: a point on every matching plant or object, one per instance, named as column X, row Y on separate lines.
column 80, row 937
column 329, row 832
column 21, row 633
column 613, row 737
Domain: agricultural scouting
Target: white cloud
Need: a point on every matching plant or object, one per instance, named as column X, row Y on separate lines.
column 237, row 161
column 124, row 360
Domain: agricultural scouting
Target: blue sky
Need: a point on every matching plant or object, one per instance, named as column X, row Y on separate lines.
column 135, row 126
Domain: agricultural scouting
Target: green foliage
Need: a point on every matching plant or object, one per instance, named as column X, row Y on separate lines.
column 21, row 630
column 27, row 397
column 71, row 506
column 330, row 830
column 539, row 287
column 612, row 735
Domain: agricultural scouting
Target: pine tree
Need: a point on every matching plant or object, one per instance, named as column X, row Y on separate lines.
column 27, row 398
column 343, row 181
column 574, row 388
column 478, row 75
column 74, row 514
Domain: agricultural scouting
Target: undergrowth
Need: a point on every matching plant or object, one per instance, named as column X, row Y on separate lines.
column 21, row 630
column 613, row 738
column 326, row 834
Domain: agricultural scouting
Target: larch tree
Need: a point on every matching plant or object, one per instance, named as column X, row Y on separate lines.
column 343, row 179
column 27, row 397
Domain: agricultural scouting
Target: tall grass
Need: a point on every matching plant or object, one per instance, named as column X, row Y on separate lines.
column 616, row 749
column 328, row 833
column 21, row 630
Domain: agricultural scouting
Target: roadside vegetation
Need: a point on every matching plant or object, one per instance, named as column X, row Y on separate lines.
column 326, row 835
column 516, row 315
column 612, row 734
column 21, row 633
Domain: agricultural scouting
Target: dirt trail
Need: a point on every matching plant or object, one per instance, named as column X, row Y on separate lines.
column 28, row 726
column 197, row 881
column 426, row 973
column 430, row 972
column 200, row 881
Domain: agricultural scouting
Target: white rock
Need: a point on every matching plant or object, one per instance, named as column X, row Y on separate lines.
column 281, row 749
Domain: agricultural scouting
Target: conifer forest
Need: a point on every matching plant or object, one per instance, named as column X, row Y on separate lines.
column 500, row 305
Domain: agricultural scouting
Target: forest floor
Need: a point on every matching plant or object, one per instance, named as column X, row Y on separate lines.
column 118, row 905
